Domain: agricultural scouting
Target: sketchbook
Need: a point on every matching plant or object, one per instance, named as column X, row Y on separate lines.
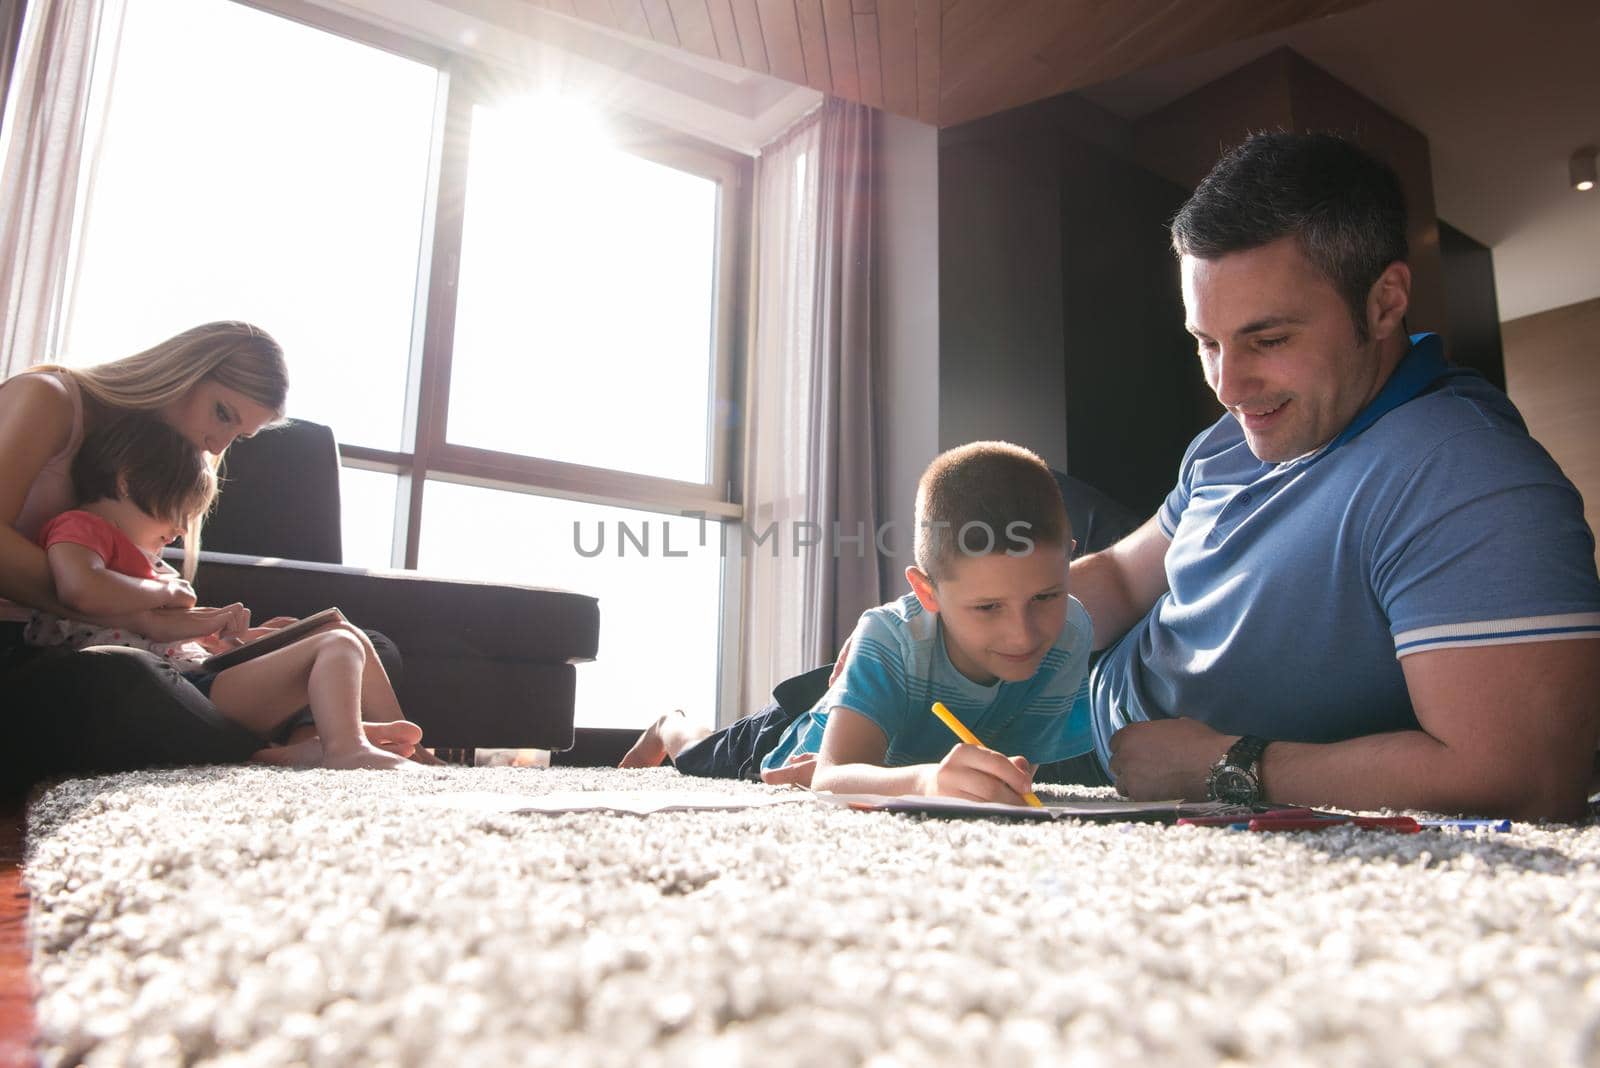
column 632, row 802
column 649, row 802
column 1109, row 811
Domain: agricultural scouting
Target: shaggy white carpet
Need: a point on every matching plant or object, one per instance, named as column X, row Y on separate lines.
column 252, row 916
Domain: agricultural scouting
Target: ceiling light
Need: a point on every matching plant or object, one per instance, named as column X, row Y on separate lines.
column 1581, row 168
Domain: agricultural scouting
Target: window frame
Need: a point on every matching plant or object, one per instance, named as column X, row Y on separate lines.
column 464, row 81
column 434, row 456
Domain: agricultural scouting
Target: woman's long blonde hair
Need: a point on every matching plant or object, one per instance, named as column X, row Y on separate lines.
column 235, row 355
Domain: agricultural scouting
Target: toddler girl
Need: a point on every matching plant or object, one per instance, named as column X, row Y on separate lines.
column 139, row 483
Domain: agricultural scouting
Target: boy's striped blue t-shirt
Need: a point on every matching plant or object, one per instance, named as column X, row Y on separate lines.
column 898, row 667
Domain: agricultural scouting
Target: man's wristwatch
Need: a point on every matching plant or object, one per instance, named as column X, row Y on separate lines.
column 1236, row 778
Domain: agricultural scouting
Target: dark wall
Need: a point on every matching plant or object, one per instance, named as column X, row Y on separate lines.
column 1474, row 314
column 1282, row 90
column 1061, row 322
column 1059, row 306
column 1000, row 342
column 1136, row 394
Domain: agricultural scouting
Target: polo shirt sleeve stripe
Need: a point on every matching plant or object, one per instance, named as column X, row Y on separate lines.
column 1499, row 632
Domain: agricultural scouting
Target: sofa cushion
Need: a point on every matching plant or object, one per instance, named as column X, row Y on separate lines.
column 280, row 496
column 445, row 617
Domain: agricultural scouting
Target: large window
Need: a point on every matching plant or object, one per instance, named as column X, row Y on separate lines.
column 659, row 586
column 517, row 312
column 254, row 168
column 584, row 321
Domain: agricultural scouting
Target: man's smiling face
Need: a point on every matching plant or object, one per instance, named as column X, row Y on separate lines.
column 1279, row 347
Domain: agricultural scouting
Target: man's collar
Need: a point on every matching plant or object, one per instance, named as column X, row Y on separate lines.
column 1421, row 366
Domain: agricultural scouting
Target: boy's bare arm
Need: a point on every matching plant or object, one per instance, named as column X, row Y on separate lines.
column 851, row 762
column 851, row 759
column 89, row 589
column 1120, row 584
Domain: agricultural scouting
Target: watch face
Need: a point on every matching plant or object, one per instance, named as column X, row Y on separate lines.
column 1235, row 785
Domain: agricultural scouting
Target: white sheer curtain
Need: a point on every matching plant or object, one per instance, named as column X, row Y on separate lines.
column 810, row 451
column 46, row 145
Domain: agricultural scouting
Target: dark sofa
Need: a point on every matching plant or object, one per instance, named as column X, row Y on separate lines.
column 486, row 665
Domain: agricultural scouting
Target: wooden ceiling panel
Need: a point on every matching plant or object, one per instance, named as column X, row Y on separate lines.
column 838, row 24
column 560, row 7
column 869, row 63
column 997, row 48
column 897, row 55
column 929, row 26
column 722, row 24
column 780, row 29
column 692, row 20
column 748, row 22
column 814, row 44
column 659, row 16
column 945, row 61
column 597, row 11
column 1001, row 55
column 630, row 17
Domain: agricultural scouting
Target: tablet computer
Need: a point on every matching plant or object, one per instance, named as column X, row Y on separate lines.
column 268, row 642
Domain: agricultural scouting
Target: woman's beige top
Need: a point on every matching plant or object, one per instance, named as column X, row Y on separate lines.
column 51, row 492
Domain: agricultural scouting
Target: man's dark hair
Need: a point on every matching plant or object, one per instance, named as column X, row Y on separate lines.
column 1344, row 207
column 165, row 475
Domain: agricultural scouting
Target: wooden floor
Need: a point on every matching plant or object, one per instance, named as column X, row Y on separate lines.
column 16, row 994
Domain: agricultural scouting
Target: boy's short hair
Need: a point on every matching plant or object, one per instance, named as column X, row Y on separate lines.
column 164, row 474
column 1344, row 206
column 986, row 497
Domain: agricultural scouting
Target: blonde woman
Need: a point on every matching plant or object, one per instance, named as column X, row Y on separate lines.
column 111, row 709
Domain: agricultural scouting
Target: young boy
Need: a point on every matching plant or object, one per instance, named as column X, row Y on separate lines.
column 988, row 630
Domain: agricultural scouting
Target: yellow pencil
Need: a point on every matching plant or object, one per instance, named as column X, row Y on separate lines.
column 948, row 718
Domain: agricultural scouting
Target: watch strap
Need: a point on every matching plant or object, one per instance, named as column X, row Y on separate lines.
column 1242, row 758
column 1246, row 754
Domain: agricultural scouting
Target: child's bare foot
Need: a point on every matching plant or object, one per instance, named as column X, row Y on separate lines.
column 399, row 736
column 651, row 748
column 304, row 750
column 367, row 756
column 304, row 732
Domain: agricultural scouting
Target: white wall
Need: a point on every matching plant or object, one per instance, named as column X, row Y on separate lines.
column 1550, row 374
column 908, row 324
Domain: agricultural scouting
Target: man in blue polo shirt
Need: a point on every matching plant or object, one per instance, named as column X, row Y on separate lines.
column 1370, row 587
